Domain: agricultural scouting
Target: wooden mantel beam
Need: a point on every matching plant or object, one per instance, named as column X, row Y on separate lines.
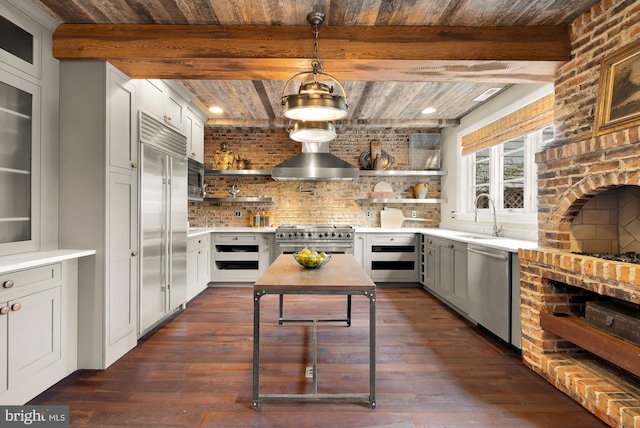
column 380, row 53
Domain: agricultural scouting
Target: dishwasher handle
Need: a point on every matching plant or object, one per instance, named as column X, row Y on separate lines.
column 500, row 256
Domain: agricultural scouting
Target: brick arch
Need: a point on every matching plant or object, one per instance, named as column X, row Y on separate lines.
column 554, row 232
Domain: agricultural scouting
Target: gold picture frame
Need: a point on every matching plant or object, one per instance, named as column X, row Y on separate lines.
column 619, row 91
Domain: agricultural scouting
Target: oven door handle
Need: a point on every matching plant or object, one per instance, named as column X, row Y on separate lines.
column 328, row 244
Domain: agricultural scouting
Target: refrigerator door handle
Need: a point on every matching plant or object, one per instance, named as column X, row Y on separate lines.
column 169, row 223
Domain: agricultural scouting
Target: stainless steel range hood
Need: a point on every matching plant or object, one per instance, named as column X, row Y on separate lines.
column 315, row 163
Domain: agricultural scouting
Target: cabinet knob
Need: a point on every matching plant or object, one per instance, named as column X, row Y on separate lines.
column 235, row 238
column 4, row 310
column 134, row 165
column 450, row 245
column 16, row 307
column 193, row 154
column 392, row 239
column 429, row 252
column 7, row 284
column 134, row 253
column 199, row 251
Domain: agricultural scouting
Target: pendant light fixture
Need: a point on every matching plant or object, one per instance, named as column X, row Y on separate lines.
column 312, row 132
column 315, row 101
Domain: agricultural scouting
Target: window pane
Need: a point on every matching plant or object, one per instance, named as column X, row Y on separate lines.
column 515, row 144
column 513, row 195
column 482, row 167
column 547, row 137
column 513, row 159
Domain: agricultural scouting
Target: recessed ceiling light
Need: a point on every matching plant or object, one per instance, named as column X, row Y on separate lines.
column 487, row 94
column 429, row 110
column 215, row 110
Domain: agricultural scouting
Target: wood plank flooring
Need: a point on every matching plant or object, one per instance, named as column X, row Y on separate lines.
column 434, row 369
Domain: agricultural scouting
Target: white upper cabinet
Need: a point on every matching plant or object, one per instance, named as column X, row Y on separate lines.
column 160, row 100
column 194, row 128
column 20, row 41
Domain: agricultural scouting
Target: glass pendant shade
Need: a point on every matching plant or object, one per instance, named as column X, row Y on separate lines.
column 313, row 132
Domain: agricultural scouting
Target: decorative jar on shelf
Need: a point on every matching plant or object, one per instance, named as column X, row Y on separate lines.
column 420, row 190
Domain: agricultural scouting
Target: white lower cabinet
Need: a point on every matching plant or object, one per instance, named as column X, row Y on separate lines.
column 240, row 257
column 38, row 322
column 428, row 251
column 444, row 264
column 198, row 264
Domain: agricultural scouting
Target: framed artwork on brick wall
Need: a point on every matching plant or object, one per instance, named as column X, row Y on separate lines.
column 619, row 91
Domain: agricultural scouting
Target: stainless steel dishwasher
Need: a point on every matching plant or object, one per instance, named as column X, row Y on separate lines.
column 489, row 292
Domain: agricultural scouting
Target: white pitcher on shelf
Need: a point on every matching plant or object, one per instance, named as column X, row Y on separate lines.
column 233, row 190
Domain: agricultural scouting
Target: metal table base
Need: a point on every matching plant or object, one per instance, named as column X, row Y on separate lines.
column 314, row 396
column 282, row 319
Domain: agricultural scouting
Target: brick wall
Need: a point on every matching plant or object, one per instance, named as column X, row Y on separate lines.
column 334, row 202
column 573, row 174
column 580, row 166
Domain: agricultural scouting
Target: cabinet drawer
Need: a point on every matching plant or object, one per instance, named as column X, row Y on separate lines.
column 429, row 241
column 236, row 239
column 400, row 239
column 198, row 242
column 30, row 277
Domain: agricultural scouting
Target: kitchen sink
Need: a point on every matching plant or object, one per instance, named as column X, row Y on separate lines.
column 478, row 236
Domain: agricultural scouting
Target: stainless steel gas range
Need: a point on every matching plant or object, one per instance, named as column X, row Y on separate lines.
column 332, row 239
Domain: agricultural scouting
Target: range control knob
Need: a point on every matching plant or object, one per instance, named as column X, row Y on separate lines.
column 348, row 235
column 339, row 235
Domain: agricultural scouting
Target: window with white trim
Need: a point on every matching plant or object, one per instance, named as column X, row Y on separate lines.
column 507, row 173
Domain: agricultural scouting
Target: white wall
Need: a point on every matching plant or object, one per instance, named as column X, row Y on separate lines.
column 503, row 104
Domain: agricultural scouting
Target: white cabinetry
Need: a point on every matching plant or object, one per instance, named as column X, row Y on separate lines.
column 389, row 257
column 451, row 280
column 21, row 93
column 194, row 128
column 198, row 264
column 99, row 203
column 444, row 264
column 160, row 100
column 428, row 251
column 38, row 319
column 240, row 257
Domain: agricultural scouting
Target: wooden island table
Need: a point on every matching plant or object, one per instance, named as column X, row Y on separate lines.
column 341, row 276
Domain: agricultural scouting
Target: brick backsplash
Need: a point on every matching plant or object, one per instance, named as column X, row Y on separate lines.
column 333, row 203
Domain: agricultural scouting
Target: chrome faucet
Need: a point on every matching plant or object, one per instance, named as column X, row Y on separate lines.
column 496, row 229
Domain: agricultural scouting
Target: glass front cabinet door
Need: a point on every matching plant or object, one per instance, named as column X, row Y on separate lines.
column 19, row 144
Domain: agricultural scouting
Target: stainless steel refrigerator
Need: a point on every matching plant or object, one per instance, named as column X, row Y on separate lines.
column 163, row 222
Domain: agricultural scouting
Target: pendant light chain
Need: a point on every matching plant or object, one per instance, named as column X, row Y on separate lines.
column 316, row 64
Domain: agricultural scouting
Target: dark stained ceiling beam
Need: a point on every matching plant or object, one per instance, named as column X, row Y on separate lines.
column 380, row 53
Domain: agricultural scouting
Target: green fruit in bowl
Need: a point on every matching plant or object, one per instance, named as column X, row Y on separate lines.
column 311, row 259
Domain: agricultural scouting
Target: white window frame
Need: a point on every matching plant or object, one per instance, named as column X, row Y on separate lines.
column 527, row 215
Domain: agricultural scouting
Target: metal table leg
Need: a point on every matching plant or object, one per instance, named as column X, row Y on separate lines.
column 372, row 349
column 255, row 402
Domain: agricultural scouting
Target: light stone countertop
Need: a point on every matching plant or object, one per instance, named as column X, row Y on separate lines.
column 39, row 258
column 501, row 243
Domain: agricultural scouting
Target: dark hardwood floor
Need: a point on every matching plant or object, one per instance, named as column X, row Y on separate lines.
column 434, row 369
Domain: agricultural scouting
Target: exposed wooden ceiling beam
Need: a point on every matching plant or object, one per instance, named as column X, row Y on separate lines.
column 351, row 124
column 381, row 53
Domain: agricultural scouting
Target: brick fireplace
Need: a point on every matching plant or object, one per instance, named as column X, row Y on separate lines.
column 588, row 201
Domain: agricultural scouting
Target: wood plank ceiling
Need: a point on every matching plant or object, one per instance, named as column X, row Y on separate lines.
column 394, row 58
